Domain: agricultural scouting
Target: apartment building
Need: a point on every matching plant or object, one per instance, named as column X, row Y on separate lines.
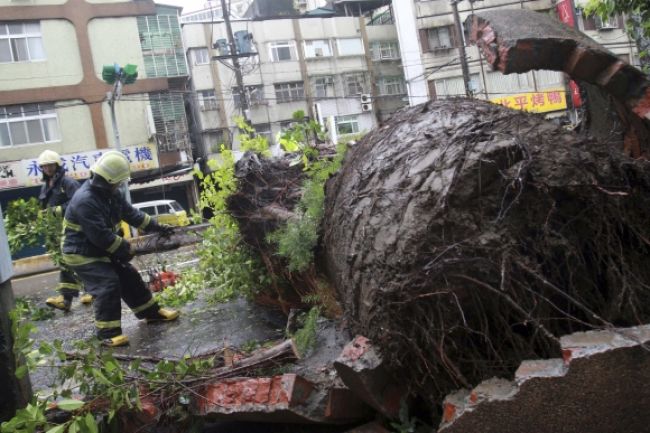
column 344, row 70
column 429, row 40
column 52, row 95
column 610, row 33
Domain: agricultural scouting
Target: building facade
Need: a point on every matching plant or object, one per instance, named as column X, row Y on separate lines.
column 430, row 48
column 342, row 68
column 52, row 95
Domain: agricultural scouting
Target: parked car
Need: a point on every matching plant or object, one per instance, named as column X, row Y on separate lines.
column 165, row 212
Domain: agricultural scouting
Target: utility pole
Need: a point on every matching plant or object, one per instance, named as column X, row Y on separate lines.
column 118, row 76
column 461, row 48
column 243, row 95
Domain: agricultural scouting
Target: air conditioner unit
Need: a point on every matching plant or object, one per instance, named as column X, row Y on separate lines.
column 365, row 99
column 607, row 24
column 366, row 107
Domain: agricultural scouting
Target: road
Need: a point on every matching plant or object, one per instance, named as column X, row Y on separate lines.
column 202, row 326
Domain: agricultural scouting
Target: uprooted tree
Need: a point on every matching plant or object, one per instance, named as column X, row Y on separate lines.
column 470, row 236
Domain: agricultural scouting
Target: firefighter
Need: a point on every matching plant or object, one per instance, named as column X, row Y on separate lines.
column 100, row 257
column 56, row 193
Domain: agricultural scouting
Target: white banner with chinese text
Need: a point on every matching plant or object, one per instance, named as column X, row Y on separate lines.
column 26, row 173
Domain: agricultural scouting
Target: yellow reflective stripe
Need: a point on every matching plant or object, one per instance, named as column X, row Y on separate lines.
column 145, row 306
column 78, row 260
column 107, row 325
column 67, row 224
column 115, row 245
column 71, row 286
column 145, row 222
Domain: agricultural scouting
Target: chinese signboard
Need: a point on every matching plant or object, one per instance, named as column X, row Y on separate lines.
column 26, row 173
column 536, row 102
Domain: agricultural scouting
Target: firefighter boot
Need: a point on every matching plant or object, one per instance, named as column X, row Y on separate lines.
column 86, row 299
column 59, row 302
column 163, row 315
column 117, row 341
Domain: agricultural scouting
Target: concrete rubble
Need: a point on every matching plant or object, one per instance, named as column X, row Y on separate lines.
column 600, row 385
column 362, row 370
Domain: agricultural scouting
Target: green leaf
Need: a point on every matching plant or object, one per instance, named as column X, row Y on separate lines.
column 21, row 371
column 70, row 404
column 58, row 429
column 91, row 424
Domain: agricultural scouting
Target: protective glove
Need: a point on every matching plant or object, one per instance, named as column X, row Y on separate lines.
column 165, row 230
column 124, row 252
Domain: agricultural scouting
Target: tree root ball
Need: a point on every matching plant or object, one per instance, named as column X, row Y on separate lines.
column 464, row 237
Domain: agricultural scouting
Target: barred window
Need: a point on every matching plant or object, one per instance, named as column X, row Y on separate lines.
column 323, row 86
column 28, row 124
column 382, row 50
column 207, row 100
column 354, row 84
column 287, row 92
column 391, row 86
column 21, row 42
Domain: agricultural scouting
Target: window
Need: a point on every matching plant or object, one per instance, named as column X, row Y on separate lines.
column 347, row 125
column 255, row 96
column 391, row 86
column 455, row 86
column 264, row 130
column 282, row 51
column 287, row 92
column 28, row 124
column 382, row 50
column 323, row 86
column 207, row 100
column 21, row 42
column 350, row 47
column 354, row 84
column 201, row 56
column 437, row 38
column 318, row 48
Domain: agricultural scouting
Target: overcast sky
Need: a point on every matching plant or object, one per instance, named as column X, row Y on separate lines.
column 188, row 5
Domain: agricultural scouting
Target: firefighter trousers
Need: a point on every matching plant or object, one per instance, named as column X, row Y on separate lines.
column 69, row 284
column 109, row 283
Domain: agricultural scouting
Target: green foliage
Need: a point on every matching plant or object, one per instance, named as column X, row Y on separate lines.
column 305, row 337
column 297, row 137
column 108, row 385
column 226, row 265
column 187, row 288
column 28, row 226
column 298, row 239
column 250, row 140
column 33, row 312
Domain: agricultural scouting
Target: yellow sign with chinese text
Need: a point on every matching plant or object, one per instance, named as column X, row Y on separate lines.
column 537, row 102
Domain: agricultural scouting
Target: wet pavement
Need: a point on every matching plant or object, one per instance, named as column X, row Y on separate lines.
column 201, row 328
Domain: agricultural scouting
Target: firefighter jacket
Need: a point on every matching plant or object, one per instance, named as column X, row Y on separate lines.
column 91, row 225
column 57, row 196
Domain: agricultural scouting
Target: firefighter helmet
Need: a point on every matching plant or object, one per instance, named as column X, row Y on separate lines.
column 49, row 157
column 113, row 167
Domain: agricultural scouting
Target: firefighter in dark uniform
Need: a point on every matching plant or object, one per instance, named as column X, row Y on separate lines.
column 93, row 248
column 56, row 193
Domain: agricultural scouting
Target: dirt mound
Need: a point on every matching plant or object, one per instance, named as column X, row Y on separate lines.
column 464, row 237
